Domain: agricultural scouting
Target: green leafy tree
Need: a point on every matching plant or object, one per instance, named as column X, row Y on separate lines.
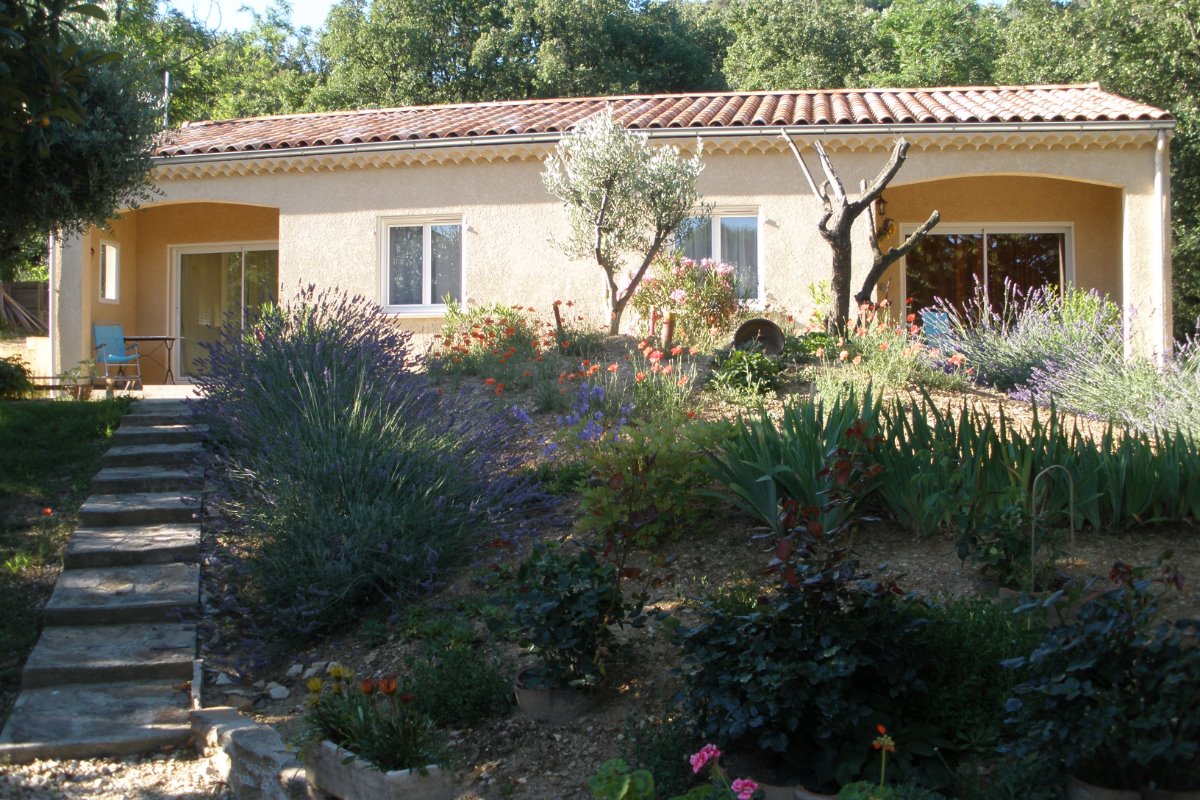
column 44, row 70
column 798, row 44
column 402, row 52
column 621, row 196
column 937, row 43
column 166, row 41
column 91, row 168
column 597, row 47
column 272, row 68
column 1143, row 49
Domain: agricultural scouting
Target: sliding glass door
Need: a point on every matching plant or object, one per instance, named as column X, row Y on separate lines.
column 954, row 263
column 216, row 288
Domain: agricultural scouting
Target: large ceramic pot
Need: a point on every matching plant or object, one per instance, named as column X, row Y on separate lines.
column 545, row 704
column 335, row 773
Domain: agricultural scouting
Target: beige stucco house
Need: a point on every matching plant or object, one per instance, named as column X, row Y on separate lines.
column 1065, row 184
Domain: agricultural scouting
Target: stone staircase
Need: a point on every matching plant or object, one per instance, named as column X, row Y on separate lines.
column 110, row 674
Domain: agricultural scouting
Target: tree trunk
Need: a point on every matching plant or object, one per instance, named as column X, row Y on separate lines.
column 842, row 249
column 614, row 323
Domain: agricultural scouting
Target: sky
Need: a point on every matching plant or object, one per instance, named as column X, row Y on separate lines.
column 226, row 15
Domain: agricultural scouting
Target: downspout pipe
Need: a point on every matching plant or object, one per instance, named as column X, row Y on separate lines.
column 52, row 267
column 1158, row 288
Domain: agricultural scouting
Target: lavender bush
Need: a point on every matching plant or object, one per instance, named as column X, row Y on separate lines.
column 1031, row 330
column 353, row 479
column 1135, row 392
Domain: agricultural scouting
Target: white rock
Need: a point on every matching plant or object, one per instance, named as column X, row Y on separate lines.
column 224, row 680
column 294, row 671
column 277, row 692
column 315, row 670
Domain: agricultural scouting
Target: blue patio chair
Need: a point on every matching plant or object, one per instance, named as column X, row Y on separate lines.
column 122, row 363
column 935, row 327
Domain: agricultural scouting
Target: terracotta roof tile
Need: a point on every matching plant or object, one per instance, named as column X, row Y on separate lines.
column 951, row 105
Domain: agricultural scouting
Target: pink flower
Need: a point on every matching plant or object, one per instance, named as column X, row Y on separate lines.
column 957, row 359
column 842, row 356
column 744, row 788
column 707, row 753
column 678, row 296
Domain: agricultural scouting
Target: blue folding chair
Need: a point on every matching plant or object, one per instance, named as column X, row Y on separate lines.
column 122, row 363
column 935, row 327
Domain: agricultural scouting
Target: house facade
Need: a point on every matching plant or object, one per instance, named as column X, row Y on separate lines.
column 1034, row 184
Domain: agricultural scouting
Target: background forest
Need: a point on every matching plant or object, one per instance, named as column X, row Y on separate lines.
column 380, row 53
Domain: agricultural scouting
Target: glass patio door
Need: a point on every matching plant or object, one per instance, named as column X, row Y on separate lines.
column 953, row 265
column 217, row 288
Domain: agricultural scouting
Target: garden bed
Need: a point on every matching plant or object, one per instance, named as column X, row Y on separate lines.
column 451, row 593
column 516, row 757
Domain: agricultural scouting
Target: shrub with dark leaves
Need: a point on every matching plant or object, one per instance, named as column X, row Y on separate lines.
column 352, row 479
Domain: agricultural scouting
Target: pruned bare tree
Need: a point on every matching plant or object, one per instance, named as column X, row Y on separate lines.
column 837, row 222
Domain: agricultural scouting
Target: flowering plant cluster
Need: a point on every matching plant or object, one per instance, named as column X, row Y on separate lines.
column 607, row 395
column 615, row 781
column 371, row 719
column 864, row 790
column 663, row 381
column 476, row 341
column 598, row 412
column 720, row 786
column 701, row 295
column 881, row 351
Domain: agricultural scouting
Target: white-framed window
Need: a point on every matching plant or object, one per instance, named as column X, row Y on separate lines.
column 729, row 235
column 110, row 272
column 955, row 260
column 422, row 263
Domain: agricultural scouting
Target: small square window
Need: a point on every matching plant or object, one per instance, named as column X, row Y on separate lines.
column 731, row 238
column 110, row 272
column 423, row 264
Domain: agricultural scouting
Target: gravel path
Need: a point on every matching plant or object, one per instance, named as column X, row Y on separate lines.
column 181, row 774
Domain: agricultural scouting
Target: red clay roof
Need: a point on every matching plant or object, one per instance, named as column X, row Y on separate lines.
column 953, row 105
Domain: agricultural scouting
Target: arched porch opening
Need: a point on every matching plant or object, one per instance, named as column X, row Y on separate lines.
column 1027, row 230
column 174, row 270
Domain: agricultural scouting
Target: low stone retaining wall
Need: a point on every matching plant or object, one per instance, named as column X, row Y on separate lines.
column 250, row 757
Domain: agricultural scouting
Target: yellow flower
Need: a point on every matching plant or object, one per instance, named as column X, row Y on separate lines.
column 315, row 685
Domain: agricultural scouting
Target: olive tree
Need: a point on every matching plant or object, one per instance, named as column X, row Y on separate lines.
column 622, row 196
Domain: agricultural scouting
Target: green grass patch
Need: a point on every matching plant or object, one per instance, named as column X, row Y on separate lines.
column 51, row 450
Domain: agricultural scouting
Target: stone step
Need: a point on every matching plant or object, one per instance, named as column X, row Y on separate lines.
column 144, row 508
column 151, row 455
column 93, row 720
column 121, row 595
column 130, row 545
column 136, row 418
column 121, row 480
column 177, row 433
column 111, row 653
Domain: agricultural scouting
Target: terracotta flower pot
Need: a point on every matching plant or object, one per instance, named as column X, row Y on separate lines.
column 337, row 773
column 549, row 705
